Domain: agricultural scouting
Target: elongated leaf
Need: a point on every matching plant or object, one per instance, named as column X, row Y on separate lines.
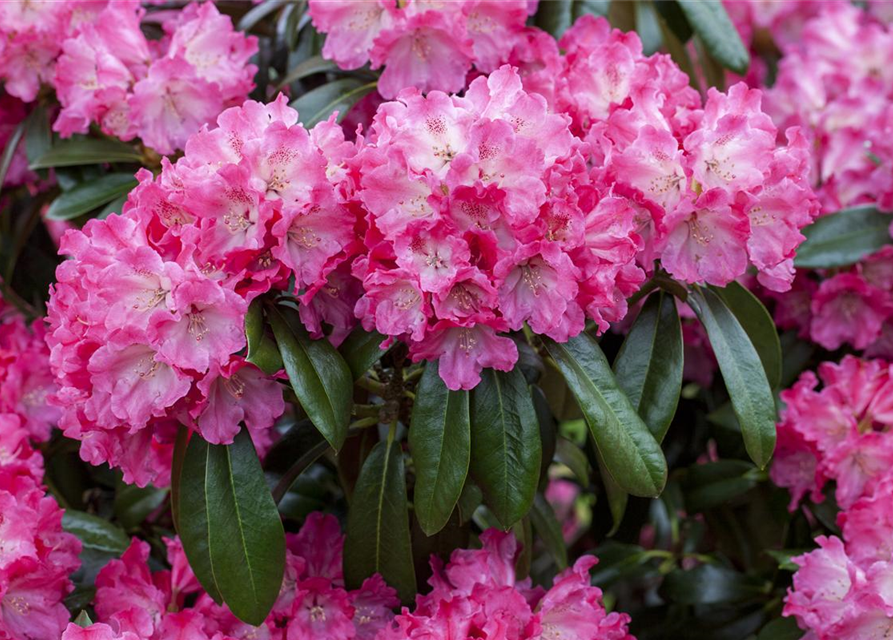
column 649, row 364
column 89, row 195
column 378, row 537
column 781, row 629
column 743, row 373
column 318, row 104
column 9, row 150
column 38, row 137
column 291, row 454
column 262, row 350
column 505, row 444
column 554, row 16
column 710, row 584
column 233, row 536
column 549, row 530
column 708, row 19
column 133, row 504
column 310, row 66
column 759, row 326
column 573, row 457
column 78, row 151
column 101, row 541
column 843, row 238
column 617, row 497
column 361, row 350
column 440, row 443
column 716, row 483
column 318, row 374
column 631, row 454
column 180, row 444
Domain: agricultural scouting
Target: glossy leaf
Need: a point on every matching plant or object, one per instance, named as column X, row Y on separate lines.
column 505, row 444
column 79, row 151
column 133, row 504
column 440, row 443
column 318, row 104
column 631, row 454
column 308, row 67
column 378, row 538
column 179, row 455
column 469, row 501
column 9, row 150
column 759, row 326
column 742, row 372
column 709, row 584
column 843, row 238
column 781, row 629
column 713, row 484
column 555, row 16
column 290, row 455
column 38, row 137
column 318, row 374
column 88, row 196
column 574, row 458
column 548, row 529
column 101, row 541
column 262, row 349
column 617, row 497
column 362, row 349
column 233, row 536
column 708, row 19
column 649, row 364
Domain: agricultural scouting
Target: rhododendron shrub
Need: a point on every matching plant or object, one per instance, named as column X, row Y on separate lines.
column 372, row 320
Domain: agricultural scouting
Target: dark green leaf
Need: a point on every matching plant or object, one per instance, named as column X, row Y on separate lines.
column 555, row 16
column 713, row 484
column 318, row 374
column 632, row 455
column 259, row 12
column 649, row 364
column 781, row 629
column 101, row 541
column 674, row 19
column 759, row 326
column 617, row 562
column 10, row 150
column 179, row 456
column 310, row 66
column 742, row 372
column 574, row 458
column 115, row 206
column 710, row 584
column 617, row 497
column 262, row 349
column 318, row 104
column 78, row 151
column 233, row 536
column 505, row 444
column 440, row 443
column 783, row 557
column 708, row 19
column 133, row 504
column 378, row 538
column 361, row 350
column 523, row 532
column 38, row 137
column 469, row 501
column 549, row 530
column 301, row 446
column 548, row 432
column 843, row 238
column 89, row 195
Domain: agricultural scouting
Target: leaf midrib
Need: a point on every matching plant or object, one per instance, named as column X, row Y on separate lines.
column 232, row 484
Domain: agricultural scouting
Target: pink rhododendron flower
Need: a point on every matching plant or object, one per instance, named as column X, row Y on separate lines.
column 428, row 46
column 162, row 92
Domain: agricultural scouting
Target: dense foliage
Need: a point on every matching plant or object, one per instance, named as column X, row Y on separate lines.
column 491, row 319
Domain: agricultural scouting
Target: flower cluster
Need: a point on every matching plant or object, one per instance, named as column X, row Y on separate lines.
column 132, row 603
column 36, row 556
column 714, row 189
column 430, row 46
column 483, row 216
column 837, row 432
column 477, row 595
column 160, row 91
column 842, row 433
column 147, row 319
column 31, row 37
